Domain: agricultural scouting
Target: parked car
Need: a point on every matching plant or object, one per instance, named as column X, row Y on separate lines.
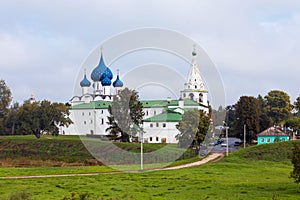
column 224, row 144
column 237, row 143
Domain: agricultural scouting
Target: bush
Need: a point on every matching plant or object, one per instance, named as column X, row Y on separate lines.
column 295, row 158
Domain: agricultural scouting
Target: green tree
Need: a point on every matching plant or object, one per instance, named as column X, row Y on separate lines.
column 5, row 99
column 279, row 106
column 218, row 116
column 247, row 113
column 293, row 123
column 36, row 118
column 297, row 105
column 53, row 115
column 193, row 128
column 264, row 120
column 29, row 119
column 295, row 158
column 12, row 121
column 125, row 114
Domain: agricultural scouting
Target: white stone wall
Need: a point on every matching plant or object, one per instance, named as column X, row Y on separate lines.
column 84, row 119
column 160, row 132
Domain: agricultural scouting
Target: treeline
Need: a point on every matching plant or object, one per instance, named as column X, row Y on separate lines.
column 31, row 117
column 258, row 113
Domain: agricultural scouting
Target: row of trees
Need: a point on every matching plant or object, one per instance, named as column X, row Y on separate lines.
column 30, row 117
column 259, row 113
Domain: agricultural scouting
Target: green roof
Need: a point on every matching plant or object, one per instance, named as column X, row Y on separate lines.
column 145, row 103
column 92, row 105
column 164, row 103
column 165, row 117
column 154, row 103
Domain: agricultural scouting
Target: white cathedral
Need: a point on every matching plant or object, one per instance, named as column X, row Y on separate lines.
column 89, row 111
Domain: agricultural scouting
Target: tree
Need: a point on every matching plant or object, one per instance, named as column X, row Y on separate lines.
column 293, row 123
column 53, row 115
column 36, row 118
column 29, row 119
column 125, row 114
column 295, row 158
column 297, row 105
column 218, row 116
column 12, row 122
column 229, row 118
column 264, row 120
column 193, row 128
column 279, row 106
column 5, row 99
column 247, row 113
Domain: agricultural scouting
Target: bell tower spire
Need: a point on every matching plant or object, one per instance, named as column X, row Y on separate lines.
column 194, row 86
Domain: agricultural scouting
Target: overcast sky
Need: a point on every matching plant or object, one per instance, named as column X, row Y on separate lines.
column 254, row 44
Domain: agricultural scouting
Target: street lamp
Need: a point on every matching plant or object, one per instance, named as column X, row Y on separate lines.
column 226, row 128
column 142, row 140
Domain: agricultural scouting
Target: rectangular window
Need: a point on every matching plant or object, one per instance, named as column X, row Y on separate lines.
column 91, row 121
column 157, row 139
column 262, row 140
column 164, row 125
column 84, row 122
column 151, row 125
column 102, row 121
column 89, row 113
column 157, row 125
column 101, row 111
column 82, row 113
column 268, row 140
column 150, row 139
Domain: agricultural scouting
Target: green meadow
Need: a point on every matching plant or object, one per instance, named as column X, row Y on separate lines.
column 258, row 172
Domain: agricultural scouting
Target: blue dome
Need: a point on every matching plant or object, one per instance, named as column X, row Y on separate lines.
column 118, row 82
column 99, row 70
column 105, row 81
column 85, row 82
column 107, row 72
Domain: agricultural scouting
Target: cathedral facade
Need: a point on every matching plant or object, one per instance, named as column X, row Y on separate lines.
column 89, row 110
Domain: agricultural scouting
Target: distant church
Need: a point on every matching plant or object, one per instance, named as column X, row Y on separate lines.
column 89, row 111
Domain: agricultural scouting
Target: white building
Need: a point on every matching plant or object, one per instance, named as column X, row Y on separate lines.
column 89, row 111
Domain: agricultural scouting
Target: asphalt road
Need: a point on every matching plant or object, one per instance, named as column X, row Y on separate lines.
column 221, row 149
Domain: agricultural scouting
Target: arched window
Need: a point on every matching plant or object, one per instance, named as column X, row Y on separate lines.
column 191, row 95
column 201, row 97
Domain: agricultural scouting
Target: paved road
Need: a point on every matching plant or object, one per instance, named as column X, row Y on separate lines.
column 231, row 147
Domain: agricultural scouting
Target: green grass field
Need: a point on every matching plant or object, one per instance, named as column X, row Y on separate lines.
column 258, row 172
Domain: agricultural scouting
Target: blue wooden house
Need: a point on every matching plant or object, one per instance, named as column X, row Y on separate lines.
column 272, row 134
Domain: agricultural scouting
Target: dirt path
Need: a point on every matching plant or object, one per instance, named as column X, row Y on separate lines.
column 211, row 158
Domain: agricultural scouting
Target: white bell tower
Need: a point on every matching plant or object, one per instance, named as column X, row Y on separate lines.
column 194, row 87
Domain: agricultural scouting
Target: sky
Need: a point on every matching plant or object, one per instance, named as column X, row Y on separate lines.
column 254, row 45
